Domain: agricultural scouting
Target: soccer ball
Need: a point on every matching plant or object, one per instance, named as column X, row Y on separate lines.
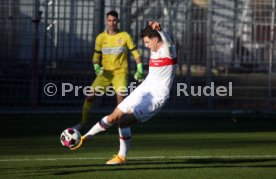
column 70, row 137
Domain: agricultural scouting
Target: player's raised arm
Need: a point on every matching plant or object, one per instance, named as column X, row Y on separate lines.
column 155, row 25
column 165, row 37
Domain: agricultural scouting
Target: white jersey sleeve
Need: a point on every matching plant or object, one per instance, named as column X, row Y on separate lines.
column 166, row 38
column 169, row 43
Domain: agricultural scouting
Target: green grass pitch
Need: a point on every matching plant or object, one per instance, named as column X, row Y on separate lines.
column 185, row 149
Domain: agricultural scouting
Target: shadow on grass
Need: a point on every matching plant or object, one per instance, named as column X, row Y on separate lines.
column 142, row 165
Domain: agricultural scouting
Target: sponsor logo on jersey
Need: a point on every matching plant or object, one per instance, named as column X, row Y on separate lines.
column 114, row 50
column 162, row 62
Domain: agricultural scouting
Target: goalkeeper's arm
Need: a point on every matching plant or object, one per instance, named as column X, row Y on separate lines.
column 98, row 69
column 139, row 72
column 96, row 62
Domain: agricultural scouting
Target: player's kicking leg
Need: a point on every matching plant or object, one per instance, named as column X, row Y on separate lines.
column 80, row 144
column 124, row 120
column 100, row 126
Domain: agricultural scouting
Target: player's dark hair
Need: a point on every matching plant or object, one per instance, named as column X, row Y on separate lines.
column 112, row 13
column 150, row 33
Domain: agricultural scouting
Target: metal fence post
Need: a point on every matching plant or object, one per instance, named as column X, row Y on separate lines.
column 98, row 15
column 188, row 50
column 271, row 44
column 209, row 57
column 35, row 74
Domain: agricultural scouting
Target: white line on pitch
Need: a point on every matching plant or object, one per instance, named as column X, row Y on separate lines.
column 153, row 157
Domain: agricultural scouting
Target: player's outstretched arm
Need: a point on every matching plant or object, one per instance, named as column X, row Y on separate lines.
column 165, row 37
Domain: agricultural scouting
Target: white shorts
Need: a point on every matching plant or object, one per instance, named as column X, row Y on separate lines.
column 142, row 103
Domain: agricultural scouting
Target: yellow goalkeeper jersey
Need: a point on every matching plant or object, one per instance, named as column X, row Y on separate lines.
column 113, row 50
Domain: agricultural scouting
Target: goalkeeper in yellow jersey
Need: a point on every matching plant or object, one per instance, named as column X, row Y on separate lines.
column 110, row 63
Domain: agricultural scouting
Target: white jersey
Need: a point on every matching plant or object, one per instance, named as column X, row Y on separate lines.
column 162, row 68
column 150, row 96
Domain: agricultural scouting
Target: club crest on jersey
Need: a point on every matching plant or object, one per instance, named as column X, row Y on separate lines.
column 120, row 41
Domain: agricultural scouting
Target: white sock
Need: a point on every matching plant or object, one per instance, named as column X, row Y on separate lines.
column 125, row 136
column 100, row 126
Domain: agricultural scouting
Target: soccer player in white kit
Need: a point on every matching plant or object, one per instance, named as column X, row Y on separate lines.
column 148, row 98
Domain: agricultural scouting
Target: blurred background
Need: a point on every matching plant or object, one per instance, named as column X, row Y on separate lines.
column 218, row 41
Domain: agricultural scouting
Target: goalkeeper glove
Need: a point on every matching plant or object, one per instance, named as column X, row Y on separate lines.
column 98, row 70
column 139, row 73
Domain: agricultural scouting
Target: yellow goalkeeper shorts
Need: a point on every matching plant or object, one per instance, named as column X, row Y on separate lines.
column 110, row 80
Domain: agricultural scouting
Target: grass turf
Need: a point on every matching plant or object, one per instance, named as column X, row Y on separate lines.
column 188, row 155
column 202, row 148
